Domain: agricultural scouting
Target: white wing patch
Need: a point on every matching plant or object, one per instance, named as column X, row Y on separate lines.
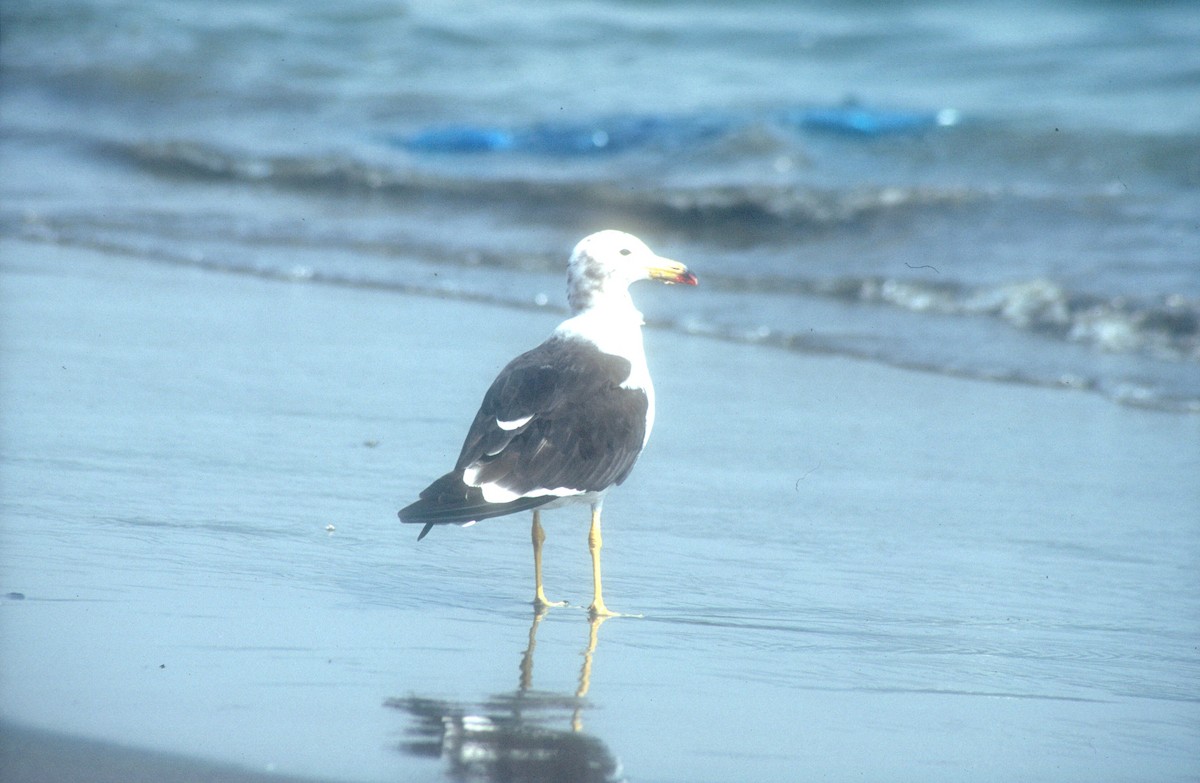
column 509, row 426
column 494, row 493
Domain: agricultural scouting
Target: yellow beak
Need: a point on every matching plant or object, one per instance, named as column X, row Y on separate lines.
column 669, row 271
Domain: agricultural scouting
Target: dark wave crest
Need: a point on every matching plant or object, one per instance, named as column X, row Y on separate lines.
column 752, row 211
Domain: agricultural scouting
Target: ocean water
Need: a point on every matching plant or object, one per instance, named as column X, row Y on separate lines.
column 986, row 190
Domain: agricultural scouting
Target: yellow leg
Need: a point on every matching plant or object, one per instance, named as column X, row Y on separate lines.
column 539, row 536
column 595, row 542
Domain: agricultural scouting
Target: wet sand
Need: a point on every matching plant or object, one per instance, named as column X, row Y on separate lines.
column 32, row 756
column 846, row 571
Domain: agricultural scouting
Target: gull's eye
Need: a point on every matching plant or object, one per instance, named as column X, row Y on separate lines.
column 625, row 251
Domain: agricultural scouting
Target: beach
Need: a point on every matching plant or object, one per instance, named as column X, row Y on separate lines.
column 921, row 499
column 844, row 570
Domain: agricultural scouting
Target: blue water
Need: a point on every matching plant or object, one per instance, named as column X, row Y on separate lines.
column 988, row 190
column 845, row 570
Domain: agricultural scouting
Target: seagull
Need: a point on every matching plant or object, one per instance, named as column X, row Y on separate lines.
column 562, row 423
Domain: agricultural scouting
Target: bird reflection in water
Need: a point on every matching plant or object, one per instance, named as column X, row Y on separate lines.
column 518, row 736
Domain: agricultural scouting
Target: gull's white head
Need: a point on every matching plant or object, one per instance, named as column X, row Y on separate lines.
column 604, row 264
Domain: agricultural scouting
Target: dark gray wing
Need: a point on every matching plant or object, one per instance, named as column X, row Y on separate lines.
column 556, row 417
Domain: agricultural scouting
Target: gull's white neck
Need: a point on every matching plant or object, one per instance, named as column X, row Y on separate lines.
column 615, row 327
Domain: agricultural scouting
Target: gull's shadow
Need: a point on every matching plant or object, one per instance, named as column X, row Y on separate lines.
column 524, row 735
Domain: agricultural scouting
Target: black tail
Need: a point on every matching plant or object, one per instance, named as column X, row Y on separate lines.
column 449, row 501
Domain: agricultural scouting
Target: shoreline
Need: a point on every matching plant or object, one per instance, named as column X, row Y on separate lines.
column 780, row 342
column 179, row 441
